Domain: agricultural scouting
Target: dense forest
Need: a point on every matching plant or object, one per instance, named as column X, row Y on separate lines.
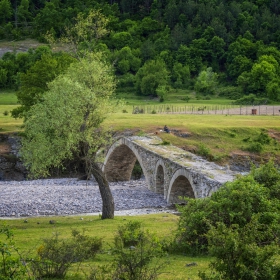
column 221, row 47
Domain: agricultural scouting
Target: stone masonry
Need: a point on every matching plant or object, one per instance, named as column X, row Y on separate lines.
column 168, row 170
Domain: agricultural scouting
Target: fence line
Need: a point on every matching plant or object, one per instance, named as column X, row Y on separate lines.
column 207, row 109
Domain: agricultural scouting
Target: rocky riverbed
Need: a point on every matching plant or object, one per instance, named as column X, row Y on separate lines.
column 70, row 196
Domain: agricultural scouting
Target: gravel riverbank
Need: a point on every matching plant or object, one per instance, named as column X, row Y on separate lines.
column 70, row 196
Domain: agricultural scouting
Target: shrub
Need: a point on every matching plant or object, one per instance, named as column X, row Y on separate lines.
column 56, row 255
column 129, row 234
column 263, row 138
column 165, row 143
column 204, row 151
column 135, row 250
column 236, row 203
column 269, row 176
column 186, row 98
column 231, row 92
column 239, row 253
column 250, row 99
column 6, row 113
column 255, row 147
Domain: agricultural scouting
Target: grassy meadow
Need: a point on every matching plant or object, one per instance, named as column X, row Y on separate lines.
column 220, row 135
column 28, row 238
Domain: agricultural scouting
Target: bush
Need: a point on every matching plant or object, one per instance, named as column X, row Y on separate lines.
column 250, row 99
column 56, row 255
column 236, row 203
column 239, row 253
column 204, row 151
column 269, row 176
column 255, row 147
column 186, row 98
column 165, row 143
column 5, row 113
column 232, row 93
column 263, row 138
column 135, row 250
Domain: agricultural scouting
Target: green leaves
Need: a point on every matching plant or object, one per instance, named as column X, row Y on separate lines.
column 71, row 113
column 249, row 200
column 150, row 76
column 206, row 81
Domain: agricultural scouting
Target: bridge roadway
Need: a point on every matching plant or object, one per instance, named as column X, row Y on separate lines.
column 168, row 170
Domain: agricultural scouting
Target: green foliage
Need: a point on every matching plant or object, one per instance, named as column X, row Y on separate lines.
column 240, row 254
column 33, row 83
column 203, row 150
column 137, row 253
column 165, row 143
column 77, row 99
column 67, row 123
column 269, row 176
column 230, row 92
column 56, row 255
column 5, row 10
column 251, row 99
column 263, row 138
column 11, row 264
column 257, row 144
column 206, row 82
column 129, row 234
column 255, row 147
column 152, row 76
column 137, row 171
column 235, row 205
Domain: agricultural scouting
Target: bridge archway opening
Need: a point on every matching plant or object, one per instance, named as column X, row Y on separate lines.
column 180, row 187
column 160, row 180
column 137, row 172
column 120, row 164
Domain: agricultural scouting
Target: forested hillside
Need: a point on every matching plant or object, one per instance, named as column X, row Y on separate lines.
column 221, row 47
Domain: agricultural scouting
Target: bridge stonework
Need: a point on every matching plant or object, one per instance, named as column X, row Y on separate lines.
column 168, row 170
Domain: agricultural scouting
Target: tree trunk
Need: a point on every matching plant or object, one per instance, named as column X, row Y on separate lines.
column 108, row 205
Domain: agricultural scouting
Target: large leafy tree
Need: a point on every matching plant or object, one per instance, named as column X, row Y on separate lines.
column 33, row 83
column 67, row 123
column 206, row 81
column 152, row 75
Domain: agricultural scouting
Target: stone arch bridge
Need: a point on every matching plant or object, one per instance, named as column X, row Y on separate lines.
column 168, row 170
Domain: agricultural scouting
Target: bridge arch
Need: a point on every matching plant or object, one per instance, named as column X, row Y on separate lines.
column 120, row 160
column 180, row 185
column 160, row 177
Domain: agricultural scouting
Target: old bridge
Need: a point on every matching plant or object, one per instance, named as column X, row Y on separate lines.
column 168, row 170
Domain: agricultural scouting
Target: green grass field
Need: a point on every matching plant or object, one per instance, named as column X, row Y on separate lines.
column 222, row 135
column 28, row 237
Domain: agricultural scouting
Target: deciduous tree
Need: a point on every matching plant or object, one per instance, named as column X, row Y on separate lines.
column 67, row 123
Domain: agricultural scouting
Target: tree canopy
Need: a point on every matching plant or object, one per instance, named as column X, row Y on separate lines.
column 67, row 123
column 228, row 36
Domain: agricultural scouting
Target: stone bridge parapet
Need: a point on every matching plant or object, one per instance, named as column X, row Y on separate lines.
column 168, row 170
